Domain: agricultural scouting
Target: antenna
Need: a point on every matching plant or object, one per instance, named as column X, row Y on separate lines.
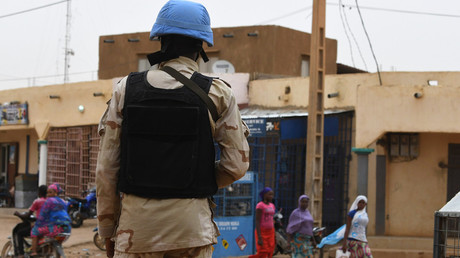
column 68, row 51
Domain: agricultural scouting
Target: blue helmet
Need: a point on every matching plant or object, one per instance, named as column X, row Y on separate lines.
column 184, row 18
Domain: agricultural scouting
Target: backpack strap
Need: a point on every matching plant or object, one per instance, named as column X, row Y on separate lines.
column 195, row 88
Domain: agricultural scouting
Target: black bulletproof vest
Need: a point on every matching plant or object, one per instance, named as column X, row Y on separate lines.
column 167, row 149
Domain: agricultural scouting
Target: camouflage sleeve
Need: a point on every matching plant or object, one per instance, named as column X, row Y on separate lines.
column 230, row 134
column 108, row 164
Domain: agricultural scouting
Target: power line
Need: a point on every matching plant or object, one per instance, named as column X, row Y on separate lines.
column 30, row 10
column 285, row 15
column 43, row 76
column 402, row 11
column 369, row 40
column 346, row 34
column 353, row 36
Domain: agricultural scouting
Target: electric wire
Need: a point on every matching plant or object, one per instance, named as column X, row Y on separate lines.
column 33, row 9
column 353, row 36
column 369, row 40
column 42, row 76
column 285, row 15
column 346, row 34
column 402, row 11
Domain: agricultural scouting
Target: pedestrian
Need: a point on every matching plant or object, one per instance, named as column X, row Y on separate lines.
column 53, row 218
column 300, row 230
column 156, row 170
column 22, row 229
column 355, row 240
column 265, row 230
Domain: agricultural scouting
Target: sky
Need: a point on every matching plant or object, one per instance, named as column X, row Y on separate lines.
column 406, row 35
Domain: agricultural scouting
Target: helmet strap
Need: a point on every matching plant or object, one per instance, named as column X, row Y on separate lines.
column 204, row 56
column 160, row 56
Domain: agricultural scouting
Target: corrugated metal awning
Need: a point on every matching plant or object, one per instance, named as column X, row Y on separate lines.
column 257, row 112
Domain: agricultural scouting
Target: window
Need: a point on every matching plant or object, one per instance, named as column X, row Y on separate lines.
column 143, row 64
column 305, row 66
column 206, row 67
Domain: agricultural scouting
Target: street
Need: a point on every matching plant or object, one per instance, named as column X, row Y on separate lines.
column 80, row 243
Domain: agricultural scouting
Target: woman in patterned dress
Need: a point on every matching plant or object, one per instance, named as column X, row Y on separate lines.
column 357, row 219
column 300, row 230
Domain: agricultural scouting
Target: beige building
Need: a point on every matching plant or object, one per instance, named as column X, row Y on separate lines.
column 412, row 127
column 412, row 130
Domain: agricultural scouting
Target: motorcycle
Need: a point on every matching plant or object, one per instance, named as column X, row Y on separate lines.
column 80, row 209
column 47, row 247
column 282, row 244
column 98, row 241
column 318, row 233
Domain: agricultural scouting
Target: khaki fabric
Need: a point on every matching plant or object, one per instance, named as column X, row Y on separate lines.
column 194, row 252
column 140, row 225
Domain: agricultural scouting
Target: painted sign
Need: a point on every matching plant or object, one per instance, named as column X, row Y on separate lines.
column 273, row 127
column 236, row 236
column 257, row 127
column 15, row 114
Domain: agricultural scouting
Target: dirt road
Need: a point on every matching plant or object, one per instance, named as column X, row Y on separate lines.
column 80, row 243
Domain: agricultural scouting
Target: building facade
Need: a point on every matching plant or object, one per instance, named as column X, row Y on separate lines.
column 261, row 51
column 410, row 127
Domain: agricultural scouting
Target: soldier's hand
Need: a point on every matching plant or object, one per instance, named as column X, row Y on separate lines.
column 109, row 247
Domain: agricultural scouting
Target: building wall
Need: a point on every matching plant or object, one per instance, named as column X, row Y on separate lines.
column 379, row 109
column 45, row 113
column 275, row 50
column 417, row 188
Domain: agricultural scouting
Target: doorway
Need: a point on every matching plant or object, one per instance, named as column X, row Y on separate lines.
column 453, row 171
column 8, row 172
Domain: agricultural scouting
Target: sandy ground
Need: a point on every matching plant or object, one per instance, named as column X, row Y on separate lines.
column 80, row 243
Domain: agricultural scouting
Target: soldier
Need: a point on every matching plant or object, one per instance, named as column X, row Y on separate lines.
column 156, row 168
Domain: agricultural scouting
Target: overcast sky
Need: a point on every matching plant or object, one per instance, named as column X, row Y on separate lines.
column 406, row 35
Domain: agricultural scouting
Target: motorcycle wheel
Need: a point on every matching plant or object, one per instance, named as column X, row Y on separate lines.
column 99, row 242
column 75, row 218
column 7, row 250
column 48, row 251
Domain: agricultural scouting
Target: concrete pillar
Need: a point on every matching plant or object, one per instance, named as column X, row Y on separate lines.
column 363, row 168
column 43, row 162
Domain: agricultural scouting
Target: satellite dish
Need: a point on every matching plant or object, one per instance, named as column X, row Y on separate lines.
column 222, row 66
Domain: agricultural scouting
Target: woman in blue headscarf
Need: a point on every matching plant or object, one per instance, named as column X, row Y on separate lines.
column 300, row 229
column 53, row 218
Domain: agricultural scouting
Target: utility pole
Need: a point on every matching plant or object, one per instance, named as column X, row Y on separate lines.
column 315, row 128
column 68, row 51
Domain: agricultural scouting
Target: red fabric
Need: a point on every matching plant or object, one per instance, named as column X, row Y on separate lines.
column 268, row 238
column 37, row 206
column 268, row 210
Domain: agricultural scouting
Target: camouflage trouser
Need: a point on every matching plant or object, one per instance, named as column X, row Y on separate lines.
column 197, row 252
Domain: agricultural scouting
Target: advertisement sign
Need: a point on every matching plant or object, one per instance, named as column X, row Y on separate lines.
column 235, row 233
column 273, row 127
column 15, row 114
column 257, row 127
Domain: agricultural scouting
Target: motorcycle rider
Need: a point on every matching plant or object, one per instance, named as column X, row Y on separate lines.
column 157, row 147
column 53, row 218
column 22, row 229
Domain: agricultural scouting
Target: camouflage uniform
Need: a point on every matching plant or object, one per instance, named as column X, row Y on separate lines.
column 151, row 227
